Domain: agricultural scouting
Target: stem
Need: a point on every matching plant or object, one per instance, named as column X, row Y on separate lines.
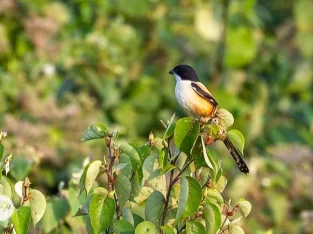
column 205, row 184
column 167, row 199
column 181, row 172
column 171, row 184
column 218, row 66
column 110, row 177
column 221, row 229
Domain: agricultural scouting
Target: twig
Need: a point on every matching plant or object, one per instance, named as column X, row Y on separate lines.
column 171, row 184
column 167, row 199
column 221, row 229
column 110, row 176
column 181, row 172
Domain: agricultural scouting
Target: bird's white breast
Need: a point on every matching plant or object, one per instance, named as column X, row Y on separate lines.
column 184, row 94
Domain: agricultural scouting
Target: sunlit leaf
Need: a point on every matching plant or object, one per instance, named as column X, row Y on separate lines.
column 189, row 198
column 215, row 195
column 155, row 207
column 101, row 211
column 186, row 133
column 143, row 195
column 227, row 119
column 6, row 187
column 220, row 184
column 146, row 227
column 122, row 188
column 95, row 131
column 244, row 206
column 37, row 204
column 170, row 128
column 205, row 155
column 212, row 217
column 237, row 139
column 194, row 227
column 235, row 229
column 91, row 174
column 19, row 189
column 21, row 220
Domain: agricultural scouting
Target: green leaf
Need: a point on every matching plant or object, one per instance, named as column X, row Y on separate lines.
column 151, row 167
column 134, row 158
column 237, row 139
column 136, row 186
column 194, row 227
column 122, row 226
column 186, row 133
column 21, row 220
column 220, row 184
column 6, row 188
column 95, row 131
column 197, row 154
column 57, row 209
column 125, row 160
column 91, row 174
column 122, row 189
column 226, row 118
column 167, row 229
column 244, row 206
column 170, row 128
column 82, row 180
column 155, row 207
column 146, row 227
column 20, row 168
column 37, row 204
column 212, row 217
column 205, row 155
column 189, row 198
column 101, row 211
column 235, row 229
column 144, row 194
column 214, row 195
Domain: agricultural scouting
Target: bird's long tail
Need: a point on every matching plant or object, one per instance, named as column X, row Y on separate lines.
column 236, row 155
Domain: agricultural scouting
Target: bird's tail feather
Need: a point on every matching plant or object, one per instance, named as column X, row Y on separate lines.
column 236, row 155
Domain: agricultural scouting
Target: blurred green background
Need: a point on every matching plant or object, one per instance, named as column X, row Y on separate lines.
column 68, row 64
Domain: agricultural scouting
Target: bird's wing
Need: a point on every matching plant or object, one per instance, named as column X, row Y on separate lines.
column 202, row 91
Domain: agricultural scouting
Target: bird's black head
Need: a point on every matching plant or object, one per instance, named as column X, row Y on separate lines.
column 185, row 72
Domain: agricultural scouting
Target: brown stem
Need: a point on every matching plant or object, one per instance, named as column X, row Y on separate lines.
column 171, row 184
column 181, row 172
column 167, row 199
column 111, row 178
column 221, row 229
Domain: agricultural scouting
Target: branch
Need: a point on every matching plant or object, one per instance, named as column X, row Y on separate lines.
column 110, row 176
column 171, row 184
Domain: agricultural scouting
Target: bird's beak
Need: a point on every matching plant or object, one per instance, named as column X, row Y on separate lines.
column 171, row 72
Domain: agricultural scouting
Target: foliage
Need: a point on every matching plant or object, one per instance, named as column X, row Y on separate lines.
column 32, row 203
column 142, row 181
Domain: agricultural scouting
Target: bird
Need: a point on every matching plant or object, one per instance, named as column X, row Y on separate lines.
column 198, row 102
